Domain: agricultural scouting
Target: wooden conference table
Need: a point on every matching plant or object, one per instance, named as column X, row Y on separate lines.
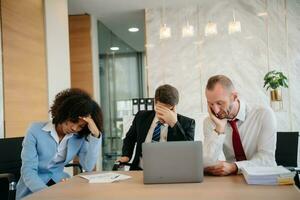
column 219, row 188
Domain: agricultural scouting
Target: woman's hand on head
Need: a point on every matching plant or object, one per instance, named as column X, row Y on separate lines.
column 92, row 126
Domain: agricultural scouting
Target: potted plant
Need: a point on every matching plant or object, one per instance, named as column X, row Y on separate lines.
column 274, row 80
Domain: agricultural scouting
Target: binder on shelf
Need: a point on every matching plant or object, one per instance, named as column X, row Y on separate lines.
column 149, row 104
column 135, row 106
column 139, row 104
column 142, row 104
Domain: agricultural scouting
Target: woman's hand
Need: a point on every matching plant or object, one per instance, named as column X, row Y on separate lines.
column 92, row 126
column 64, row 180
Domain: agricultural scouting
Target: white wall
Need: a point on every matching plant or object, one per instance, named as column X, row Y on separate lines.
column 96, row 75
column 57, row 46
column 187, row 63
column 1, row 93
column 95, row 58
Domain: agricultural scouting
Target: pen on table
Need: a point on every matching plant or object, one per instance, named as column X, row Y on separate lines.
column 115, row 177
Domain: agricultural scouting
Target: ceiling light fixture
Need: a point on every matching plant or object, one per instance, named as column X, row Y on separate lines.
column 133, row 29
column 187, row 30
column 211, row 29
column 114, row 48
column 234, row 26
column 165, row 31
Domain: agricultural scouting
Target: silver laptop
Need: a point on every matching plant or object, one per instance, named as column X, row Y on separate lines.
column 173, row 162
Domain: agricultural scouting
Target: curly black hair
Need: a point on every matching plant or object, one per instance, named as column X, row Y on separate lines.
column 70, row 104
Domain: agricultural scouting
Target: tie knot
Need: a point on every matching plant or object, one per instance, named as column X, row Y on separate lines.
column 233, row 122
column 158, row 123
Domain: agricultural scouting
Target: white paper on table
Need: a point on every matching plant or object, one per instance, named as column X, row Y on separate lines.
column 266, row 171
column 277, row 175
column 108, row 177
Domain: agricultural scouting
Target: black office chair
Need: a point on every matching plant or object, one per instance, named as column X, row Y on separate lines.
column 286, row 153
column 10, row 165
column 287, row 149
column 119, row 165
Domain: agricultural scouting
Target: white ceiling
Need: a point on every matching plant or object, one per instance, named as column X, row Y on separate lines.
column 119, row 15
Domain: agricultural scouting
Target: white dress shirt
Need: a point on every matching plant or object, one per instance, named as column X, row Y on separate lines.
column 257, row 129
column 61, row 151
column 163, row 131
column 163, row 134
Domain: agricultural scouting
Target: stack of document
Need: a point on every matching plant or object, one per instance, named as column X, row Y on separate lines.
column 108, row 177
column 268, row 175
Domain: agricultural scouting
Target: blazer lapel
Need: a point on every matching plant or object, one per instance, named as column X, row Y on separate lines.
column 72, row 148
column 146, row 125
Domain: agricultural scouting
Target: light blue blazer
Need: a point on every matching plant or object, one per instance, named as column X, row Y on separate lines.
column 39, row 148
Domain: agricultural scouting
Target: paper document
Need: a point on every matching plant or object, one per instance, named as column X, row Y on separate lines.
column 268, row 175
column 108, row 177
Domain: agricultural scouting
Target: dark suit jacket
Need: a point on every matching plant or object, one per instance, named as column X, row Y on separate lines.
column 183, row 130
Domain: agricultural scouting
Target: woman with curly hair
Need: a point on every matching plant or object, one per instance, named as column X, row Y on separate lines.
column 75, row 129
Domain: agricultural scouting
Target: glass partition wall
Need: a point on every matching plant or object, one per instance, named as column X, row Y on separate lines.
column 121, row 80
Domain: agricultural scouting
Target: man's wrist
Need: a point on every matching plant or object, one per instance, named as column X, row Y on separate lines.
column 96, row 135
column 219, row 130
column 234, row 168
column 173, row 123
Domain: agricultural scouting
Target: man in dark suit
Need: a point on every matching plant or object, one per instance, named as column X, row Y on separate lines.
column 161, row 125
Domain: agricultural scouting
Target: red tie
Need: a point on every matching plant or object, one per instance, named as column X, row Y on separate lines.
column 236, row 142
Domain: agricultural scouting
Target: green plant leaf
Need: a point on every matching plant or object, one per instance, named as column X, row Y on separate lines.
column 275, row 79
